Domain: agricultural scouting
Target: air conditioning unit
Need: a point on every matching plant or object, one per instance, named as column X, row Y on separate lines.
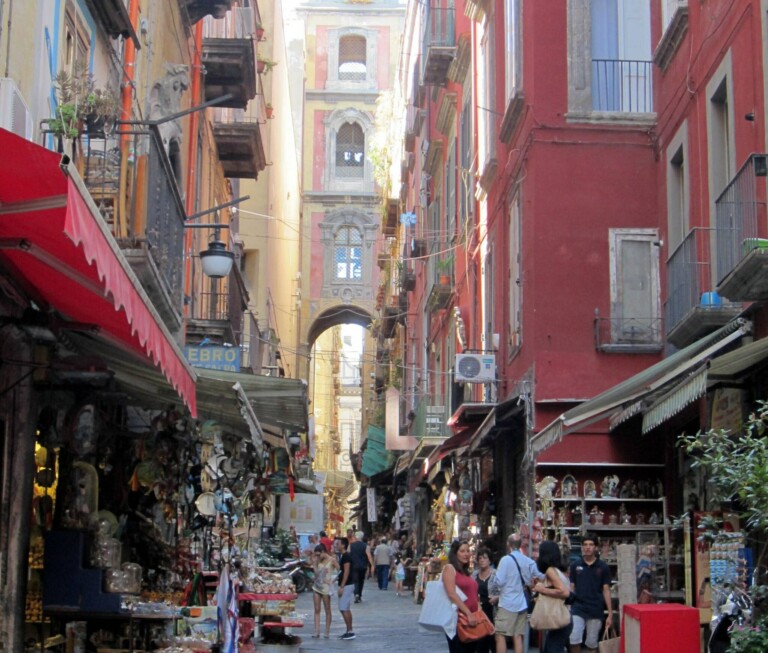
column 14, row 113
column 476, row 368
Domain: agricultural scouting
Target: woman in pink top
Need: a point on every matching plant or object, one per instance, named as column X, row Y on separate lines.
column 456, row 574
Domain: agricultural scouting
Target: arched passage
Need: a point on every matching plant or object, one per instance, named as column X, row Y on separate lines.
column 335, row 315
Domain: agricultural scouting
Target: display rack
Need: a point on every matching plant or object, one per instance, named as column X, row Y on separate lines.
column 264, row 608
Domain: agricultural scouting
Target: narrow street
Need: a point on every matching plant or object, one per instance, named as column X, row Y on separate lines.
column 382, row 621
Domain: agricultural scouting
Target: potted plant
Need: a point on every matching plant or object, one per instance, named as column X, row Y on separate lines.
column 81, row 105
column 407, row 277
column 444, row 269
column 269, row 110
column 259, row 32
column 264, row 64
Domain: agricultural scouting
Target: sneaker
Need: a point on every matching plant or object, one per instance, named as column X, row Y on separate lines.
column 349, row 635
column 357, row 600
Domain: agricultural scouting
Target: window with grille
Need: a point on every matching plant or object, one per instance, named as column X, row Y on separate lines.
column 350, row 151
column 352, row 64
column 348, row 247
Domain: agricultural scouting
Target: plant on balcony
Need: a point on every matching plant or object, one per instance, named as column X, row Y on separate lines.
column 444, row 269
column 406, row 277
column 269, row 111
column 81, row 105
column 264, row 64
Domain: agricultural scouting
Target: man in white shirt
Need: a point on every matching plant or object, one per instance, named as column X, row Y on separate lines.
column 515, row 571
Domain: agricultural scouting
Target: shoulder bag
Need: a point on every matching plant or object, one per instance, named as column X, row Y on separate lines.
column 438, row 612
column 526, row 589
column 483, row 627
column 549, row 613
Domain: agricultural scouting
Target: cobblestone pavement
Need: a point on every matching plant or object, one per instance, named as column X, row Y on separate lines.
column 382, row 621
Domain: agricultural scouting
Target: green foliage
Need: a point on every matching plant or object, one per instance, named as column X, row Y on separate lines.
column 78, row 98
column 750, row 638
column 275, row 550
column 382, row 144
column 736, row 467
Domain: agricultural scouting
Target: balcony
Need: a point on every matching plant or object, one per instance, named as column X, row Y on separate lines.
column 197, row 9
column 391, row 217
column 691, row 310
column 439, row 46
column 239, row 141
column 742, row 234
column 217, row 314
column 230, row 67
column 145, row 212
column 623, row 86
column 628, row 335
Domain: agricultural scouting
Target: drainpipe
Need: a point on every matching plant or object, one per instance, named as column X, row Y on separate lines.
column 129, row 73
column 8, row 36
column 192, row 161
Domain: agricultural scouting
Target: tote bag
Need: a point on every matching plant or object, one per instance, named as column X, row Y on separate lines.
column 549, row 613
column 438, row 612
column 610, row 642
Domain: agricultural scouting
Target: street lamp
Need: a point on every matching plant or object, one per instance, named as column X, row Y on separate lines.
column 217, row 260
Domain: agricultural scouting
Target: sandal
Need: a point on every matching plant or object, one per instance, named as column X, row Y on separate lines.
column 316, row 636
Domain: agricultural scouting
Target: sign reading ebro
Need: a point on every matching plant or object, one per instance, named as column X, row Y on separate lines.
column 213, row 357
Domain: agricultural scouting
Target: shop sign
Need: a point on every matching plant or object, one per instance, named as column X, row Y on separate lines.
column 435, row 421
column 212, row 357
column 371, row 501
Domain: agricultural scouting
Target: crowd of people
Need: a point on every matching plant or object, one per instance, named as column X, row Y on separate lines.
column 346, row 563
column 501, row 594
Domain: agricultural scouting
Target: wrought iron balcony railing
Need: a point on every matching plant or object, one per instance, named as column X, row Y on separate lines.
column 689, row 274
column 622, row 85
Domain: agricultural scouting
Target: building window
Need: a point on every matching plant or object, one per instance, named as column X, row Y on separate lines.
column 466, row 178
column 486, row 121
column 352, row 50
column 513, row 68
column 514, row 321
column 352, row 57
column 348, row 253
column 677, row 192
column 450, row 191
column 621, row 56
column 635, row 297
column 614, row 72
column 77, row 41
column 346, row 166
column 350, row 151
column 721, row 134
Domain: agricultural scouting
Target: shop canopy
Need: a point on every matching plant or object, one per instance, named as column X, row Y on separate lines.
column 666, row 387
column 376, row 458
column 249, row 405
column 60, row 251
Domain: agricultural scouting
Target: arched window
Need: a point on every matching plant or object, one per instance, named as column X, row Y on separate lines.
column 352, row 63
column 348, row 254
column 350, row 151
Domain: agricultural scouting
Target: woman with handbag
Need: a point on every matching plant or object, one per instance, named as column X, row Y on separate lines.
column 485, row 574
column 456, row 575
column 556, row 586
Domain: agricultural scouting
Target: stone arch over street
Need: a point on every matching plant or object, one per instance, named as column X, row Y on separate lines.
column 335, row 315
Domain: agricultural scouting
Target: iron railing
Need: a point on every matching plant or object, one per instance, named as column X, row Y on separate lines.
column 439, row 27
column 622, row 85
column 135, row 186
column 430, row 421
column 625, row 333
column 689, row 274
column 740, row 214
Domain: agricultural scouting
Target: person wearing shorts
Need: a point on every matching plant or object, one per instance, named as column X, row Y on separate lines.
column 515, row 571
column 346, row 589
column 591, row 583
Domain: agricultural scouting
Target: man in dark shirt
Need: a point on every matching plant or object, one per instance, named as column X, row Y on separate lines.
column 362, row 562
column 346, row 589
column 591, row 583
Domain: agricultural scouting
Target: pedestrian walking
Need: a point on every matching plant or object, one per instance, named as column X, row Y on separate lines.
column 550, row 563
column 362, row 563
column 325, row 566
column 591, row 582
column 382, row 559
column 515, row 571
column 327, row 541
column 346, row 590
column 484, row 575
column 456, row 574
column 399, row 574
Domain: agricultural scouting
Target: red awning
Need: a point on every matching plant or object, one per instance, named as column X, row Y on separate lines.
column 63, row 254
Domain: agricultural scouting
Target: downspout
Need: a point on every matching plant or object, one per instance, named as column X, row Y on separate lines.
column 8, row 36
column 129, row 73
column 192, row 161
